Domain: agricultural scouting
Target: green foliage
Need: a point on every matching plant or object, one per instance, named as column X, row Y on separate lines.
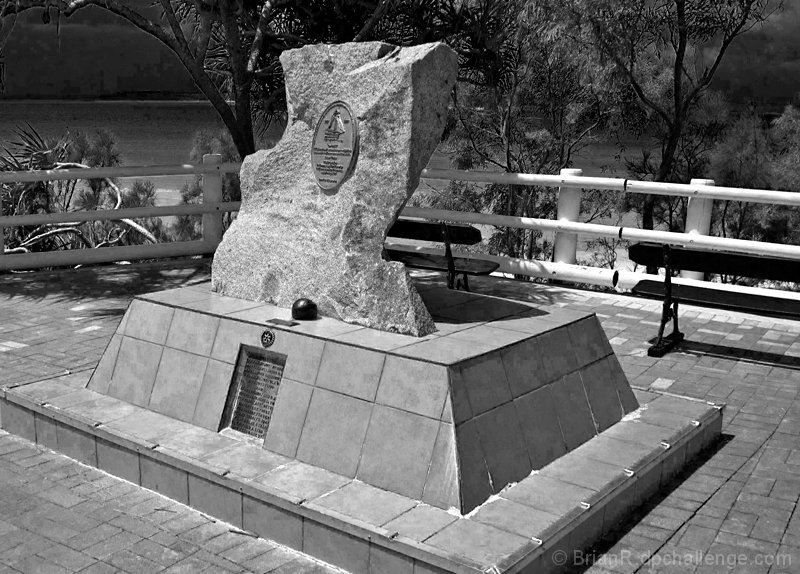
column 786, row 135
column 704, row 126
column 205, row 142
column 752, row 155
column 527, row 101
column 189, row 227
column 31, row 151
column 667, row 54
column 743, row 158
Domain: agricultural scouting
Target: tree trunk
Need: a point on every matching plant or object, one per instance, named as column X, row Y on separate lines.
column 244, row 143
column 242, row 80
column 667, row 160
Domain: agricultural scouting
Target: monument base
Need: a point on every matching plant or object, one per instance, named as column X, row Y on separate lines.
column 378, row 452
column 501, row 389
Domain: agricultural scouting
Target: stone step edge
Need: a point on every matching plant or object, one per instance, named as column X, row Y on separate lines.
column 703, row 434
column 536, row 552
column 429, row 555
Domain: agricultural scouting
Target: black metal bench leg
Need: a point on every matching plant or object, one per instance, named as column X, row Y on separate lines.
column 669, row 310
column 463, row 282
column 448, row 253
column 676, row 332
column 658, row 349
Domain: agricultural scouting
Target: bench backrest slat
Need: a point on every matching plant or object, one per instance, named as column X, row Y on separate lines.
column 652, row 255
column 430, row 231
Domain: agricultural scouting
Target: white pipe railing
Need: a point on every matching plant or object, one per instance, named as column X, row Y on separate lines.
column 112, row 172
column 701, row 193
column 698, row 221
column 565, row 245
column 117, row 214
column 562, row 181
column 597, row 230
column 212, row 209
column 620, row 185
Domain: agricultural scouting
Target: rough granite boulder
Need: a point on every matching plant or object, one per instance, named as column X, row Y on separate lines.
column 291, row 238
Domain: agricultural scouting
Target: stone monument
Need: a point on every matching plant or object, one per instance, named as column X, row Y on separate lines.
column 364, row 120
column 507, row 436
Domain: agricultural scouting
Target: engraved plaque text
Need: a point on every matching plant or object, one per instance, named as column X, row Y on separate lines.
column 334, row 151
column 251, row 398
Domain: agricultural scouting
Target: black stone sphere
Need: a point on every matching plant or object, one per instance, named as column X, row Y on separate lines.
column 304, row 309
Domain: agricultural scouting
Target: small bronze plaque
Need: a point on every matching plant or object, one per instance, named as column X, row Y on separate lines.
column 283, row 322
column 267, row 338
column 334, row 151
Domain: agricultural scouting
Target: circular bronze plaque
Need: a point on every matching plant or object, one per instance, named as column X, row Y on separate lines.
column 334, row 151
column 267, row 338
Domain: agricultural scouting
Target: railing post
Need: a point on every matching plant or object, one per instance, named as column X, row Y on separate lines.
column 212, row 193
column 698, row 221
column 565, row 247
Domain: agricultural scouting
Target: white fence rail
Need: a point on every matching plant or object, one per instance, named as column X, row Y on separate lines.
column 212, row 209
column 701, row 194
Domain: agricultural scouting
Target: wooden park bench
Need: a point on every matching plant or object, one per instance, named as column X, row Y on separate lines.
column 448, row 234
column 687, row 259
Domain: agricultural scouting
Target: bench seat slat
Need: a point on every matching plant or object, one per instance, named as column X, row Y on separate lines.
column 428, row 231
column 710, row 297
column 439, row 262
column 686, row 259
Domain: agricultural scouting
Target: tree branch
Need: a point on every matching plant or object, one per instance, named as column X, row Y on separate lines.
column 76, row 232
column 5, row 29
column 123, row 11
column 177, row 31
column 379, row 13
column 242, row 81
column 484, row 156
column 204, row 36
column 629, row 73
column 680, row 54
column 267, row 71
column 708, row 75
column 258, row 40
column 149, row 236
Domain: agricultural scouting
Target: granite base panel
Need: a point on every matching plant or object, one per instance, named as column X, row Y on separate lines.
column 355, row 526
column 501, row 389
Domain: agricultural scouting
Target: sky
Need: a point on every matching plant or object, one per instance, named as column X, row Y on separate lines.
column 97, row 54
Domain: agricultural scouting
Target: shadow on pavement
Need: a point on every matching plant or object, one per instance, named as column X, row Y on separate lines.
column 595, row 556
column 739, row 354
column 105, row 281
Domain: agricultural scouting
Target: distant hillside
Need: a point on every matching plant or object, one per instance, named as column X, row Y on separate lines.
column 97, row 54
column 93, row 55
column 765, row 63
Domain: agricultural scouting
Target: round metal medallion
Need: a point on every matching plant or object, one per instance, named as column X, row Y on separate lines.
column 267, row 338
column 334, row 151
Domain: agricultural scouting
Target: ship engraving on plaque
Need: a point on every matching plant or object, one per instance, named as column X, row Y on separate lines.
column 334, row 151
column 251, row 398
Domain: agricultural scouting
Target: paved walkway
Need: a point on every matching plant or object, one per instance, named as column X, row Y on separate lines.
column 733, row 511
column 59, row 516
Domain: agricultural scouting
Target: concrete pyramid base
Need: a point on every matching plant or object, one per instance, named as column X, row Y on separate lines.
column 500, row 390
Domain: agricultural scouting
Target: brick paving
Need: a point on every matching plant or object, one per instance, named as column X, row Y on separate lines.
column 735, row 510
column 60, row 516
